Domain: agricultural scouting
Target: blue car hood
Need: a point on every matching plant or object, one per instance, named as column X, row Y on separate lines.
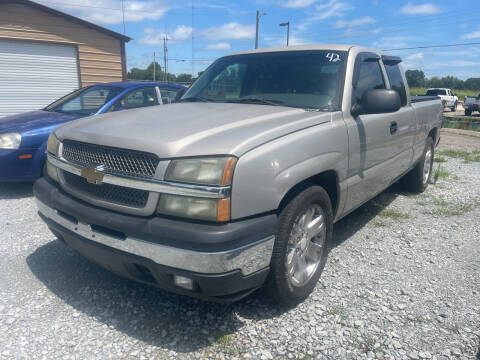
column 34, row 120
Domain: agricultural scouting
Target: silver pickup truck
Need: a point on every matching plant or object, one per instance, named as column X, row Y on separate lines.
column 238, row 186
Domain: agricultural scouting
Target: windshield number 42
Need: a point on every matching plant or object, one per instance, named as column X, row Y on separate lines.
column 333, row 57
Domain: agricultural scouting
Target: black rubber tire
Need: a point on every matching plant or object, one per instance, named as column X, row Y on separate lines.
column 468, row 112
column 454, row 107
column 414, row 179
column 277, row 286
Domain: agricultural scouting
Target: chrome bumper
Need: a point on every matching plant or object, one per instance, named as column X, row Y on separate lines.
column 248, row 259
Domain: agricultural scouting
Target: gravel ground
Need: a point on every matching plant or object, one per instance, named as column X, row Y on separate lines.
column 402, row 282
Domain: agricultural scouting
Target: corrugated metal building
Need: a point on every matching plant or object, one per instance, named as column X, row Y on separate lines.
column 45, row 54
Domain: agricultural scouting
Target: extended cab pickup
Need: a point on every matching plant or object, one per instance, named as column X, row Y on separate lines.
column 238, row 185
column 471, row 104
column 449, row 99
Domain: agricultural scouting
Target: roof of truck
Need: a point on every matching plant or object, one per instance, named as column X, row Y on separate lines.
column 337, row 47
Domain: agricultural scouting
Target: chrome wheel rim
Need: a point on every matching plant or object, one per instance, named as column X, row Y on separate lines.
column 305, row 245
column 427, row 165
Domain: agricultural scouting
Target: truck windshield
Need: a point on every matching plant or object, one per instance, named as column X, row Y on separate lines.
column 435, row 92
column 85, row 101
column 304, row 79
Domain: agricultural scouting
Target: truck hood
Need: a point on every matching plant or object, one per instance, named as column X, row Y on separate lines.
column 33, row 120
column 192, row 129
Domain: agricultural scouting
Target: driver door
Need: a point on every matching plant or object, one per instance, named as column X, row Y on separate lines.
column 371, row 156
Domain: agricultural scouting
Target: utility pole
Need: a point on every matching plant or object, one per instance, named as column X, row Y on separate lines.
column 193, row 41
column 256, row 27
column 287, row 24
column 123, row 16
column 154, row 61
column 165, row 58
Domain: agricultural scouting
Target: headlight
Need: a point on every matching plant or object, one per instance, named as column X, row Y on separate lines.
column 203, row 171
column 52, row 145
column 194, row 208
column 10, row 141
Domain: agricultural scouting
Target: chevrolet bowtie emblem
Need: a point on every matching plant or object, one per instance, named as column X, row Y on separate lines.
column 93, row 174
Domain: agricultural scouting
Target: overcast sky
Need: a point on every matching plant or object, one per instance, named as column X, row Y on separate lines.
column 223, row 26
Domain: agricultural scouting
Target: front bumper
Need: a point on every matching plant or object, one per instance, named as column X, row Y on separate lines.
column 225, row 261
column 12, row 168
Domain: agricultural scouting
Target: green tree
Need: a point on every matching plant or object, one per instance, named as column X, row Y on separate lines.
column 415, row 78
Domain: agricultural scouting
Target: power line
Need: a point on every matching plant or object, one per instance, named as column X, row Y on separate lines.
column 433, row 46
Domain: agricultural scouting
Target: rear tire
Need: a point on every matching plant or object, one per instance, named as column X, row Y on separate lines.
column 418, row 178
column 301, row 247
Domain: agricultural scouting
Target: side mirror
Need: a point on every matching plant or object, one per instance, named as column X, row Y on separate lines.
column 378, row 101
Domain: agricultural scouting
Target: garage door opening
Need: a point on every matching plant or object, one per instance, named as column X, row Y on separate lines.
column 34, row 74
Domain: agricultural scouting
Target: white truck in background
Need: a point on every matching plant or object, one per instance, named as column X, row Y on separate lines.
column 471, row 104
column 448, row 97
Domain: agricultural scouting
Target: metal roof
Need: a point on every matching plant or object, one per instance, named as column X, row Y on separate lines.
column 69, row 17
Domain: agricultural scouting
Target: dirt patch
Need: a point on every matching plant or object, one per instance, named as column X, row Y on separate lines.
column 459, row 139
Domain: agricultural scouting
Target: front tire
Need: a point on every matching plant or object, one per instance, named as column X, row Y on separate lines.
column 301, row 246
column 418, row 178
column 454, row 107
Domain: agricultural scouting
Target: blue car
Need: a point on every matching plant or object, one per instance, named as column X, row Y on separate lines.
column 23, row 137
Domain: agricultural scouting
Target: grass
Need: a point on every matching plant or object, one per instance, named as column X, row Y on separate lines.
column 440, row 173
column 379, row 224
column 473, row 156
column 224, row 339
column 460, row 93
column 225, row 342
column 393, row 214
column 440, row 159
column 447, row 209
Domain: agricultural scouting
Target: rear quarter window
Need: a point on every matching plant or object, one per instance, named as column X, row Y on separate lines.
column 396, row 81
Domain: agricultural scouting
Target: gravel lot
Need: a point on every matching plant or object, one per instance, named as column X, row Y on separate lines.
column 402, row 281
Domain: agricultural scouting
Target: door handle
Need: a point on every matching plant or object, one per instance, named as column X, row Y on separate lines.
column 393, row 127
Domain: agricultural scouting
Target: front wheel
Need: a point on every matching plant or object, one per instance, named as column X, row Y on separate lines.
column 418, row 178
column 300, row 251
column 454, row 107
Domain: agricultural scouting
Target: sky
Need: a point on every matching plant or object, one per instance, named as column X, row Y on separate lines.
column 219, row 27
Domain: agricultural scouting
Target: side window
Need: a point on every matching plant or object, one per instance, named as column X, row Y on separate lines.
column 370, row 77
column 138, row 98
column 396, row 81
column 168, row 95
column 227, row 84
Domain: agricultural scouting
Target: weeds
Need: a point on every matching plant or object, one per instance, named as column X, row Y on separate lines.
column 224, row 341
column 440, row 159
column 467, row 157
column 447, row 209
column 440, row 173
column 393, row 214
column 379, row 224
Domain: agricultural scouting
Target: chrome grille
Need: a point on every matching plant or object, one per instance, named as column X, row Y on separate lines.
column 115, row 161
column 107, row 192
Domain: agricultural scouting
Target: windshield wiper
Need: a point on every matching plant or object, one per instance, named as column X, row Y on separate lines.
column 258, row 101
column 196, row 98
